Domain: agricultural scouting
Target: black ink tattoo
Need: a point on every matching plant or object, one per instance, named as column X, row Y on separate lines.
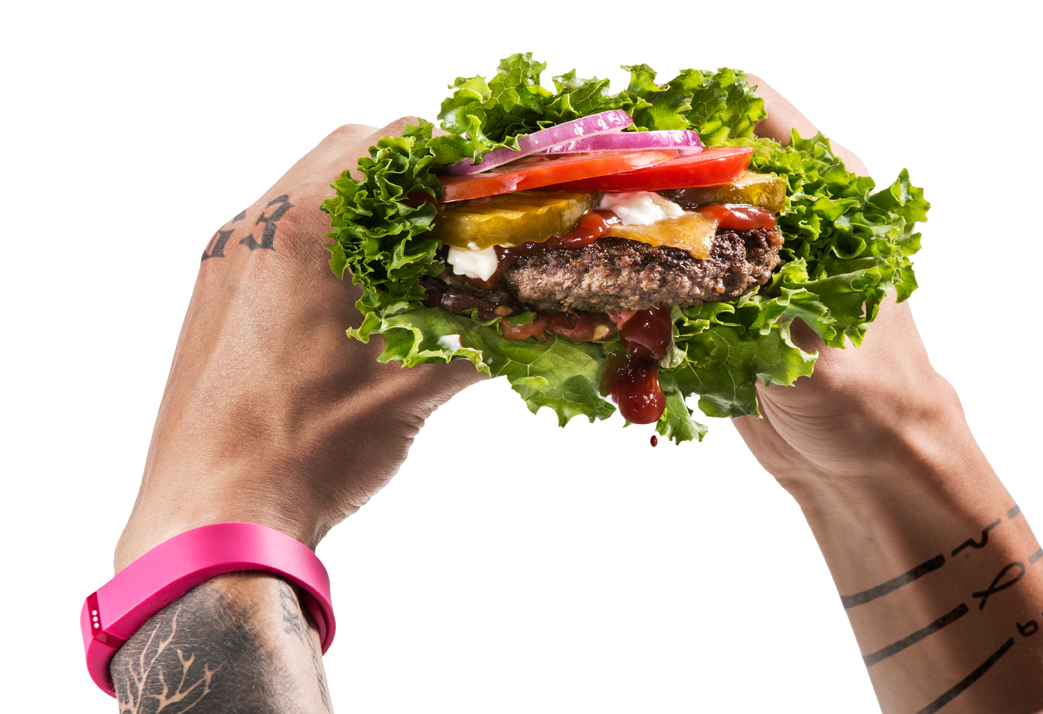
column 268, row 234
column 931, row 565
column 216, row 248
column 984, row 595
column 968, row 680
column 912, row 639
column 1035, row 557
column 296, row 625
column 890, row 586
column 971, row 543
column 195, row 655
column 1028, row 629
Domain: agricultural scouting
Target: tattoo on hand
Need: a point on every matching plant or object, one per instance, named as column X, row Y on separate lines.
column 216, row 248
column 282, row 205
column 269, row 218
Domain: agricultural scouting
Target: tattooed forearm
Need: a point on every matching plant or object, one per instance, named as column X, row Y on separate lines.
column 992, row 635
column 235, row 644
column 295, row 625
column 935, row 563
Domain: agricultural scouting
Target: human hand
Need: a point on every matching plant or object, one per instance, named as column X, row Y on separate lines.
column 875, row 449
column 271, row 414
column 862, row 405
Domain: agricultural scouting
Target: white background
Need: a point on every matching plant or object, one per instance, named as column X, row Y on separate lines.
column 543, row 569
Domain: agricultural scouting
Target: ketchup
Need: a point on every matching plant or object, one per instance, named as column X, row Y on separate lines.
column 632, row 374
column 739, row 217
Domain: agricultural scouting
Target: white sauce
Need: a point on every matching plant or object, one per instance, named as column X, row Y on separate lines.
column 450, row 343
column 640, row 208
column 479, row 264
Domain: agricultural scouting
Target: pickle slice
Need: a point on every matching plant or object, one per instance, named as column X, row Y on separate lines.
column 510, row 219
column 692, row 232
column 761, row 190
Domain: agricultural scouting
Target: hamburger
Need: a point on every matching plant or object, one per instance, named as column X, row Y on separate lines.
column 660, row 257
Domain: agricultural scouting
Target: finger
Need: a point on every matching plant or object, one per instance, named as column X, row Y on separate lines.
column 340, row 141
column 339, row 151
column 783, row 117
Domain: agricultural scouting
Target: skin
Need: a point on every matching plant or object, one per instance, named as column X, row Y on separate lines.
column 873, row 447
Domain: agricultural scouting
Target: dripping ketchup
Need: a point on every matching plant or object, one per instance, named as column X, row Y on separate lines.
column 632, row 374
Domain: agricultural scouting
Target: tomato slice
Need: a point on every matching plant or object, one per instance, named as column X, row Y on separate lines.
column 711, row 167
column 738, row 217
column 544, row 170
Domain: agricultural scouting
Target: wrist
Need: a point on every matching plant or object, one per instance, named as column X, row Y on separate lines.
column 927, row 487
column 875, row 436
column 196, row 493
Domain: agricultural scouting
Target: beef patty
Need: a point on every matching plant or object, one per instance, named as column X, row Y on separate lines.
column 619, row 274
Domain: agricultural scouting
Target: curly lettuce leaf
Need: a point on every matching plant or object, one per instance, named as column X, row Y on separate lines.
column 845, row 246
column 557, row 373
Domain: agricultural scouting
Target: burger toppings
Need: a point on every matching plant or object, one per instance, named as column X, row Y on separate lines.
column 527, row 250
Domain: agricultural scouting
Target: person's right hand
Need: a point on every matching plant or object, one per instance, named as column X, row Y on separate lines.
column 271, row 414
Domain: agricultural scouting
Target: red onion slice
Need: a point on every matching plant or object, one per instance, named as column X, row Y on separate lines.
column 687, row 142
column 603, row 123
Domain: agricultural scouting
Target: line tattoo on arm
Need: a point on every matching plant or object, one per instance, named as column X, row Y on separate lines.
column 999, row 584
column 971, row 543
column 943, row 621
column 967, row 681
column 893, row 584
column 929, row 566
column 1009, row 576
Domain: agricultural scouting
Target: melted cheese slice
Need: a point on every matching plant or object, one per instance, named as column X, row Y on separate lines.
column 691, row 232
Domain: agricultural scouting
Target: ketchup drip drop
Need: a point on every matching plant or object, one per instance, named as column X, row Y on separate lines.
column 632, row 374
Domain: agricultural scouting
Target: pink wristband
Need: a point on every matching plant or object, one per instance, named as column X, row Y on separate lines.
column 120, row 607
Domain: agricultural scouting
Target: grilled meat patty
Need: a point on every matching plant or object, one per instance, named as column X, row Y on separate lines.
column 618, row 274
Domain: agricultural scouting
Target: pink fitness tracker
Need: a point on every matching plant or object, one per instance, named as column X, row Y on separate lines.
column 120, row 607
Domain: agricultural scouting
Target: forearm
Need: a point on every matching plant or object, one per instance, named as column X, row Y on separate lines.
column 236, row 643
column 939, row 573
